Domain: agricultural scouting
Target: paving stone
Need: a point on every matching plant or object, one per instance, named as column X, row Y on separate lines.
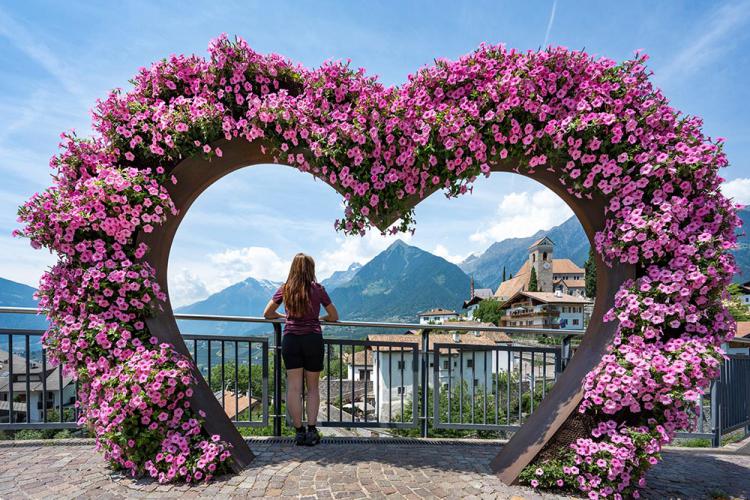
column 332, row 471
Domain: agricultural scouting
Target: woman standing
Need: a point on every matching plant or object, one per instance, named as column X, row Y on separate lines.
column 302, row 343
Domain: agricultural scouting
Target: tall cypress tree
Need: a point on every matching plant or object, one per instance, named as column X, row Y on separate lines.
column 533, row 285
column 590, row 268
column 503, row 273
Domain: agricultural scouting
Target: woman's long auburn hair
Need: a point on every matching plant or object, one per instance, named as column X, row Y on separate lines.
column 297, row 287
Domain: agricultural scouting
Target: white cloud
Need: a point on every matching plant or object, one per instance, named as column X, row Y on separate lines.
column 441, row 251
column 522, row 214
column 21, row 263
column 738, row 190
column 354, row 249
column 714, row 38
column 257, row 262
column 186, row 287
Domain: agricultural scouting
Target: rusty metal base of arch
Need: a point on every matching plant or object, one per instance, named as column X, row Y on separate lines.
column 554, row 423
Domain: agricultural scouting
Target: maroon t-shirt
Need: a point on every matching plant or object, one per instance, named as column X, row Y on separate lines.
column 309, row 322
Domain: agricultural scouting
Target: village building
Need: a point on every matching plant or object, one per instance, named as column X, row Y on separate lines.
column 475, row 297
column 551, row 274
column 437, row 316
column 41, row 388
column 545, row 310
column 745, row 293
column 391, row 371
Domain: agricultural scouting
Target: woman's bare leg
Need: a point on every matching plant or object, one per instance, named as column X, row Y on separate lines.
column 313, row 397
column 294, row 395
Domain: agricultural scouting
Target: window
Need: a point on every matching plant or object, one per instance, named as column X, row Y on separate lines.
column 401, row 365
column 446, row 364
column 469, row 363
column 575, row 322
column 401, row 390
column 476, row 382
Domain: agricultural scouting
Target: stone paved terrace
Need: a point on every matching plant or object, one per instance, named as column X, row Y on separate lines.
column 339, row 469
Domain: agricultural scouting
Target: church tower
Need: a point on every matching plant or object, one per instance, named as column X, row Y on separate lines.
column 540, row 258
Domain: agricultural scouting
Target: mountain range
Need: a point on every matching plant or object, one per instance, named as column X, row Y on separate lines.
column 394, row 286
column 400, row 282
column 14, row 294
column 742, row 254
column 487, row 268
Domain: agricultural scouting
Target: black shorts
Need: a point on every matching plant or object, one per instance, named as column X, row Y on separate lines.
column 303, row 351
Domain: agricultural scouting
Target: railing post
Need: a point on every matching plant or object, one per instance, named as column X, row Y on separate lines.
column 277, row 380
column 424, row 380
column 715, row 412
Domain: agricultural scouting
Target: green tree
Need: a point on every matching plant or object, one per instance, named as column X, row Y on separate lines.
column 489, row 311
column 590, row 268
column 737, row 309
column 469, row 405
column 503, row 273
column 533, row 284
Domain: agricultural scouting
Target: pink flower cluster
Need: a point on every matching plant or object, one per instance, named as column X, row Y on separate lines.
column 600, row 126
column 140, row 413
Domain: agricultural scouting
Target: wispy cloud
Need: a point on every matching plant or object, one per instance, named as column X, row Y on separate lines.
column 549, row 23
column 35, row 49
column 738, row 190
column 714, row 38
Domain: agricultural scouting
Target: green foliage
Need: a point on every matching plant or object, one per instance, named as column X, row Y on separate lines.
column 737, row 309
column 477, row 408
column 489, row 311
column 243, row 377
column 533, row 284
column 590, row 268
column 503, row 273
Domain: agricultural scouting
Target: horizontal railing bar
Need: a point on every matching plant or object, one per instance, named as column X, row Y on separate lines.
column 228, row 338
column 354, row 324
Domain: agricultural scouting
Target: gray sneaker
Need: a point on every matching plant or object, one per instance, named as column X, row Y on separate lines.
column 300, row 438
column 312, row 438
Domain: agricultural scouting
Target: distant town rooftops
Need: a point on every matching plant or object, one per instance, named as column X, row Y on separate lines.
column 478, row 338
column 438, row 312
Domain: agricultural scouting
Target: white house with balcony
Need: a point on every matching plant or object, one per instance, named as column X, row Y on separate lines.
column 32, row 390
column 393, row 368
column 437, row 316
column 545, row 310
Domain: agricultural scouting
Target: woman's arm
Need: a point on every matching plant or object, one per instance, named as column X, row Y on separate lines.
column 270, row 311
column 333, row 314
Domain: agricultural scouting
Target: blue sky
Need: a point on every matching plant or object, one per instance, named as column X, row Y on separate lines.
column 57, row 58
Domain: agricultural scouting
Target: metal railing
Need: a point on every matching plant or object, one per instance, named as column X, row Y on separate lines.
column 418, row 382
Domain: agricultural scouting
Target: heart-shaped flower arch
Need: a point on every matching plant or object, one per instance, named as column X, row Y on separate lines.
column 599, row 128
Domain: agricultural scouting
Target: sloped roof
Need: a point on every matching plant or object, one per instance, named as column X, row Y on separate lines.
column 565, row 266
column 551, row 298
column 510, row 287
column 437, row 312
column 743, row 329
column 483, row 338
column 520, row 281
column 540, row 240
column 574, row 283
column 483, row 293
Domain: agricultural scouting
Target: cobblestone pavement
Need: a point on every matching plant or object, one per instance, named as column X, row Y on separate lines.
column 338, row 470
